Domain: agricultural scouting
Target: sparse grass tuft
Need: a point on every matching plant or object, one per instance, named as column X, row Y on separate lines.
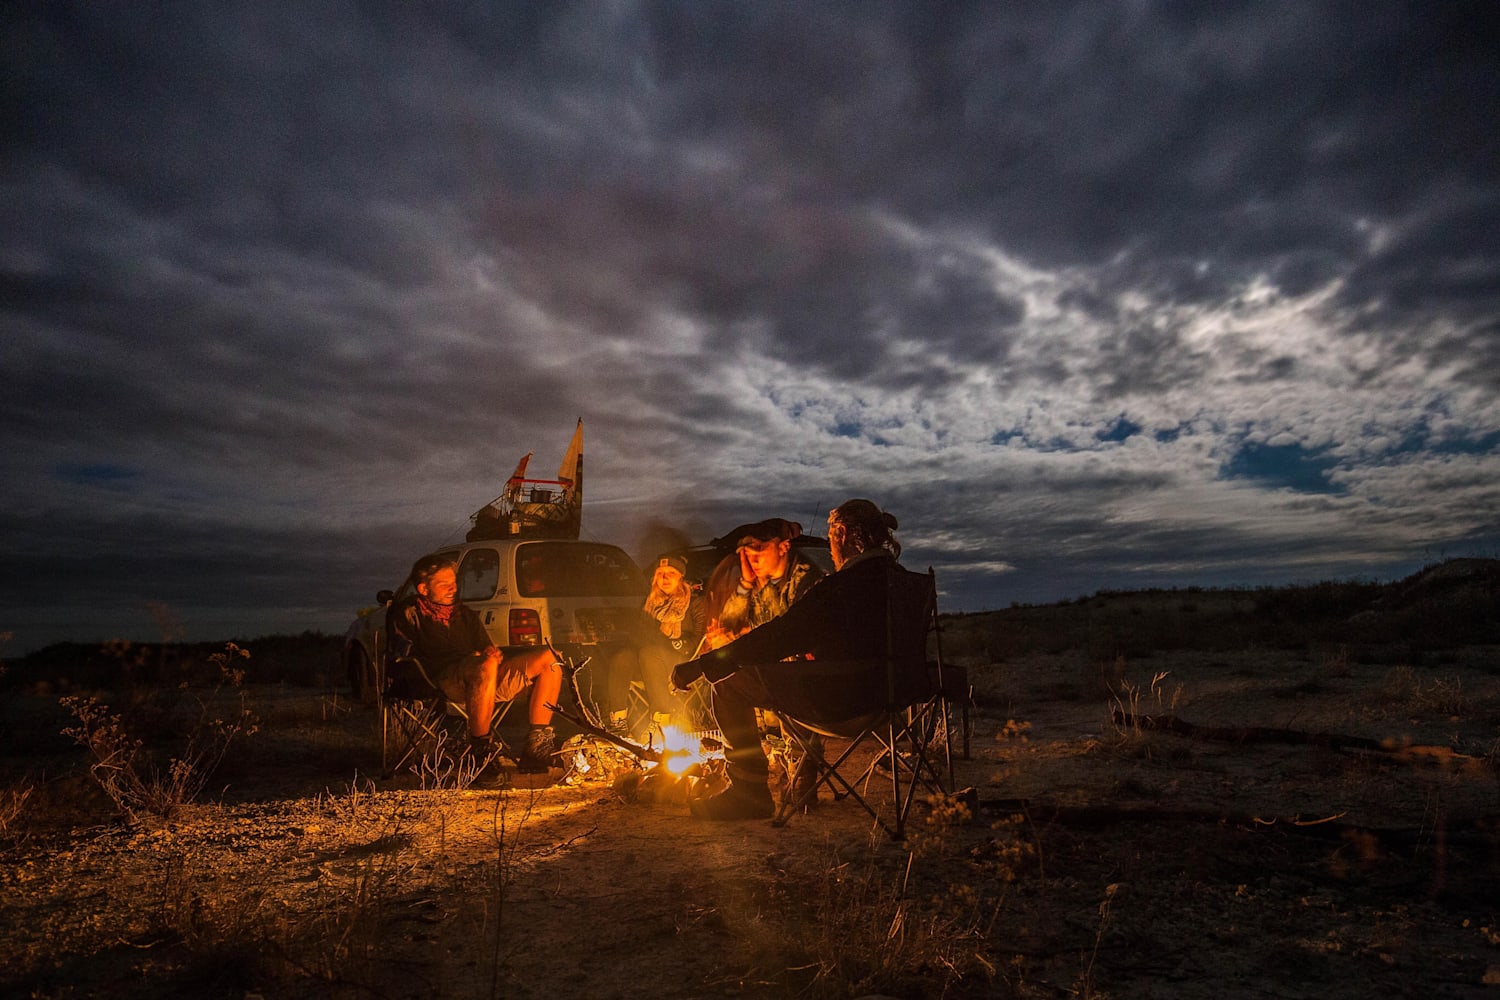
column 13, row 802
column 1129, row 702
column 1439, row 696
column 256, row 933
column 124, row 769
column 912, row 923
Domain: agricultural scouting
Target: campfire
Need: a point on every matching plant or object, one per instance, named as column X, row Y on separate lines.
column 684, row 752
column 671, row 765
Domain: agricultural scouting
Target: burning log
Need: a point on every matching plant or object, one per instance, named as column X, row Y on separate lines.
column 647, row 754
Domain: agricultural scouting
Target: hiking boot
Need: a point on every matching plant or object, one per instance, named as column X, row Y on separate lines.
column 805, row 783
column 483, row 754
column 805, row 775
column 536, row 755
column 741, row 799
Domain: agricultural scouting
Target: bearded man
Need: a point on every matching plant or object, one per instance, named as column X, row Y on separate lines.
column 447, row 638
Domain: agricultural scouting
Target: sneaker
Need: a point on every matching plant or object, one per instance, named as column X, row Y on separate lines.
column 749, row 799
column 536, row 755
column 491, row 775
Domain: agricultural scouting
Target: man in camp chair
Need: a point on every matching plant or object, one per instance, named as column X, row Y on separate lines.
column 448, row 640
column 834, row 622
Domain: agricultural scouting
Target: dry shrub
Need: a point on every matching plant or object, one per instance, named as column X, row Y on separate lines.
column 127, row 772
column 1337, row 664
column 13, row 803
column 449, row 763
column 883, row 923
column 1438, row 696
column 1014, row 730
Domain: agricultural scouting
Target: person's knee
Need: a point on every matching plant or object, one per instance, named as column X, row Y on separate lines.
column 544, row 667
column 550, row 675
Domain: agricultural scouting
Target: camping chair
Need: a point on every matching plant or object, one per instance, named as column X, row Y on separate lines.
column 415, row 715
column 910, row 733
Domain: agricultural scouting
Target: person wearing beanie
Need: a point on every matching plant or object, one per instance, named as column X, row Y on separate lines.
column 675, row 618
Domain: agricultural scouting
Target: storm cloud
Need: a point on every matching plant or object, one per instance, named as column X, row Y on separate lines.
column 1089, row 295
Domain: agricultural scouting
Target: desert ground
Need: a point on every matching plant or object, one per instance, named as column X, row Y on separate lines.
column 1179, row 793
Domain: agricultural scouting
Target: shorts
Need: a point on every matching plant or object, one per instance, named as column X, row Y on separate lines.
column 510, row 679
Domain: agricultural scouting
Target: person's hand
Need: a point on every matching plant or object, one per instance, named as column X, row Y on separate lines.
column 747, row 571
column 684, row 674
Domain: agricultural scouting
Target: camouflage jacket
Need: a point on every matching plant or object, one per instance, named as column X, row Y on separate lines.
column 744, row 611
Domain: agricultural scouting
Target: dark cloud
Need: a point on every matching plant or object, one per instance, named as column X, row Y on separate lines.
column 1079, row 291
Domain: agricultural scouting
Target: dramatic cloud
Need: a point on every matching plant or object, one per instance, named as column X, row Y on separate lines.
column 1089, row 295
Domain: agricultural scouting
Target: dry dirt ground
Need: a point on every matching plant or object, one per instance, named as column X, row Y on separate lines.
column 1093, row 859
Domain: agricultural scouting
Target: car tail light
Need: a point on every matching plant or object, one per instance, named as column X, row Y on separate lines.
column 525, row 627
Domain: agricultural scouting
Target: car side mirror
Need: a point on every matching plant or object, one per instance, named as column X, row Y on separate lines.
column 385, row 596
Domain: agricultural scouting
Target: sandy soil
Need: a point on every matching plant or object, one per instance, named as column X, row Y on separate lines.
column 1092, row 859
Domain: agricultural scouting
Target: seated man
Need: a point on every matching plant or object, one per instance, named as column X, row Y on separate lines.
column 450, row 642
column 831, row 623
column 758, row 581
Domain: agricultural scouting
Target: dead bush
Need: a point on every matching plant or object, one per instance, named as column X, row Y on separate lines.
column 13, row 803
column 899, row 925
column 1418, row 697
column 130, row 774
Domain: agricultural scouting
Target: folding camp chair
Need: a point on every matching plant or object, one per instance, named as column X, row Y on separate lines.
column 910, row 733
column 415, row 715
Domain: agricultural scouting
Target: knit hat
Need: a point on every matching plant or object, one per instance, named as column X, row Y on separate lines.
column 672, row 562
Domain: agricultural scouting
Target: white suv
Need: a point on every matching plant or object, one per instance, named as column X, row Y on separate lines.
column 582, row 597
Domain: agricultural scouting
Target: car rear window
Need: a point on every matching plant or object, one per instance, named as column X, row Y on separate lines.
column 576, row 569
column 478, row 575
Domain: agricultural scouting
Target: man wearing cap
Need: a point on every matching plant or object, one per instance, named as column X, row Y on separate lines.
column 832, row 623
column 760, row 580
column 676, row 617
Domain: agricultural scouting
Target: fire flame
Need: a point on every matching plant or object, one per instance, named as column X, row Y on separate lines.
column 680, row 750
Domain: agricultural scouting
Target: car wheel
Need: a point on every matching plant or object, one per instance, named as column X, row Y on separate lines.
column 362, row 676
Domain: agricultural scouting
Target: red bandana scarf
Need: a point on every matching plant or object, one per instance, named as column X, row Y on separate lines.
column 440, row 613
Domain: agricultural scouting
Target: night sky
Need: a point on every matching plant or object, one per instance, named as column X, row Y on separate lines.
column 1098, row 295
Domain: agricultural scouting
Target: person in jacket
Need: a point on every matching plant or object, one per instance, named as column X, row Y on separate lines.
column 796, row 662
column 675, row 617
column 758, row 581
column 450, row 642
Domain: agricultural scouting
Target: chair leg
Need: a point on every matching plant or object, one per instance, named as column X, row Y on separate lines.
column 405, row 727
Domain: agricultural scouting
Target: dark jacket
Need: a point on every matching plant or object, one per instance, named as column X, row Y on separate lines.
column 440, row 648
column 841, row 618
